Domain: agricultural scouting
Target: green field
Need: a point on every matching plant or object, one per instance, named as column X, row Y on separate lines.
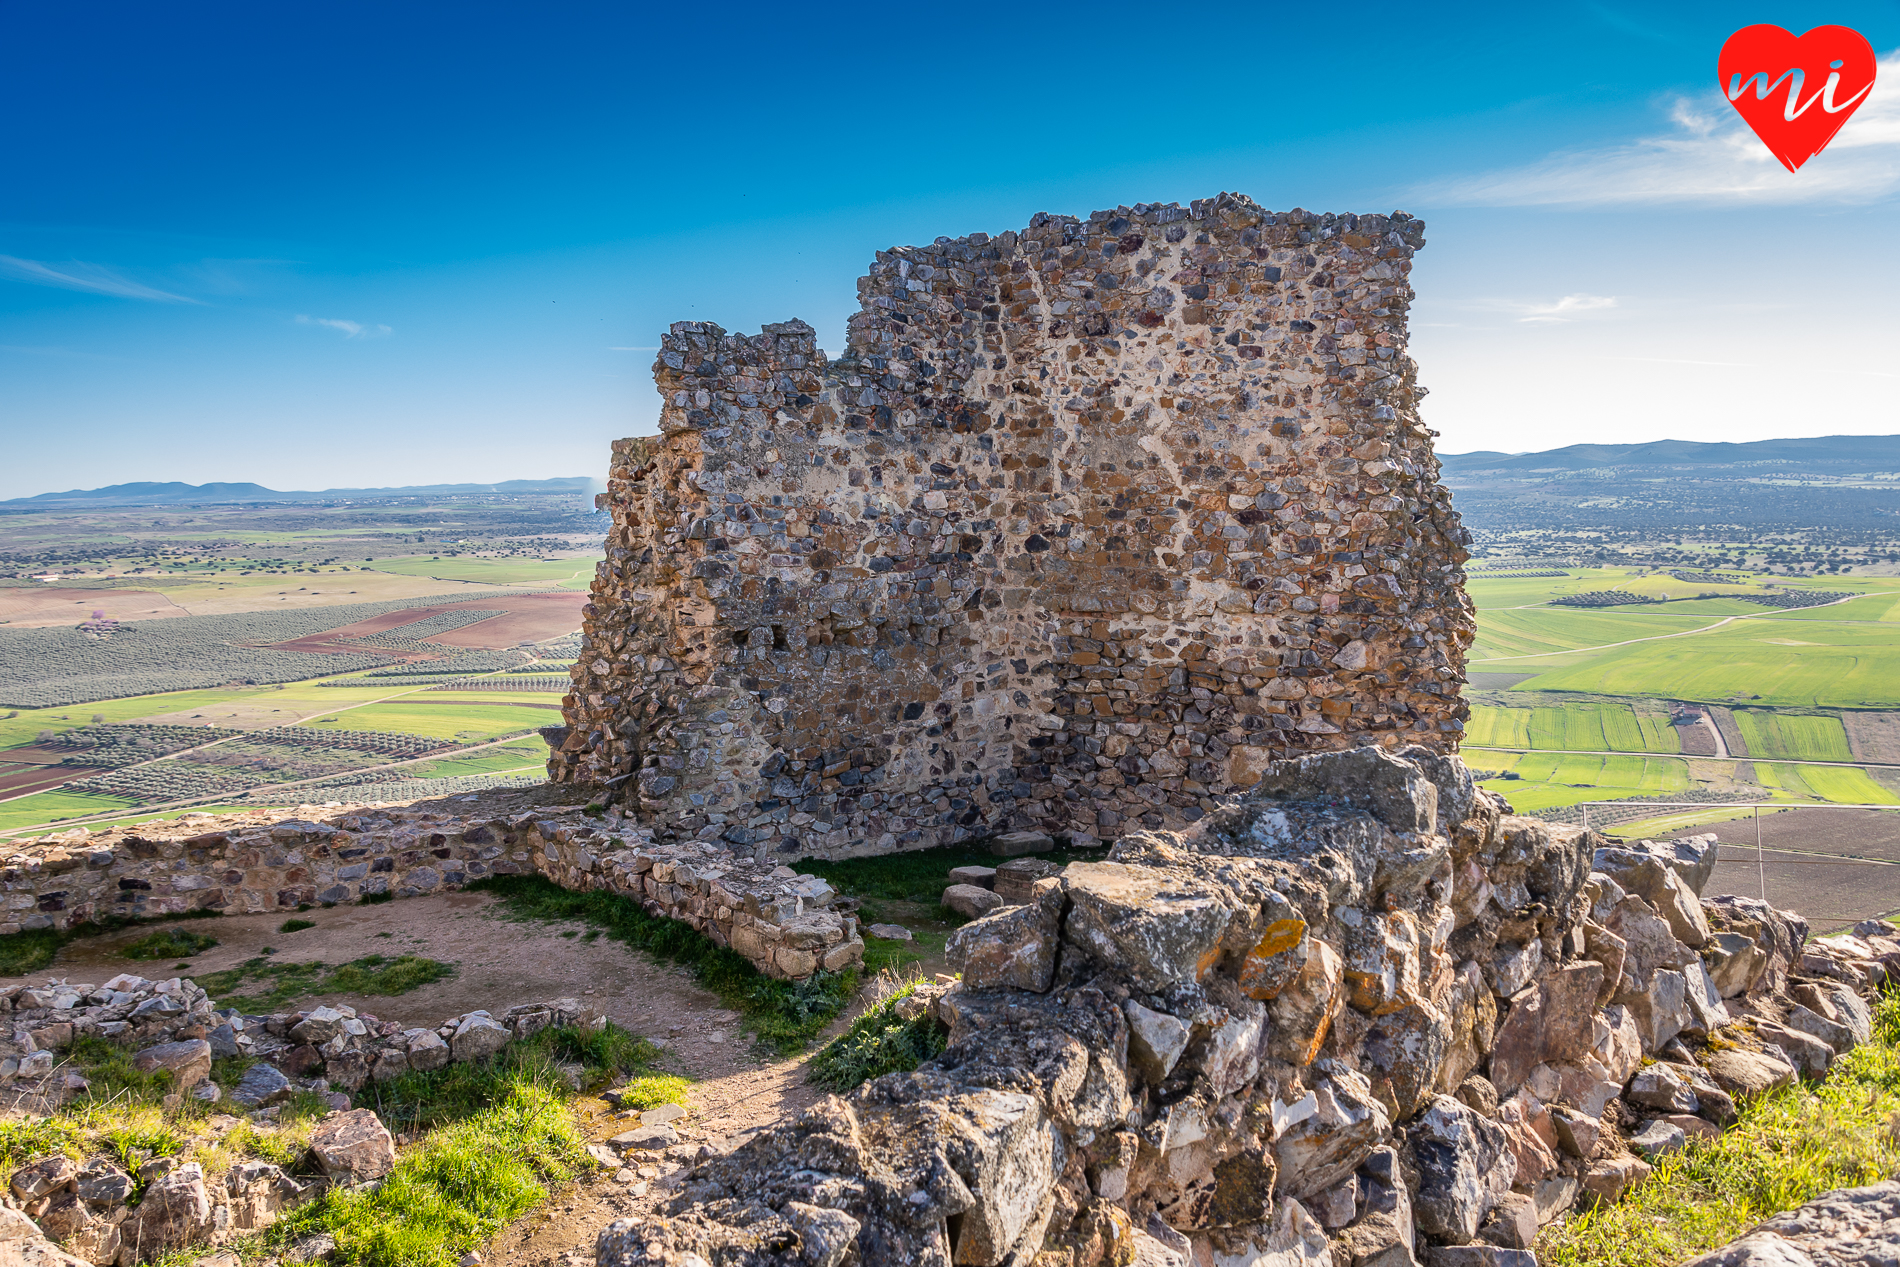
column 490, row 571
column 1552, row 780
column 1845, row 784
column 44, row 807
column 22, row 728
column 1541, row 631
column 1584, row 724
column 473, row 722
column 531, row 753
column 1784, row 735
column 1829, row 665
column 1880, row 607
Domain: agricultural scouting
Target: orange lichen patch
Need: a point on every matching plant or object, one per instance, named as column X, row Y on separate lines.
column 1275, row 961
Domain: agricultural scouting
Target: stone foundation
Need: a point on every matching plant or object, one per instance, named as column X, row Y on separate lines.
column 1089, row 523
column 255, row 862
column 1364, row 1016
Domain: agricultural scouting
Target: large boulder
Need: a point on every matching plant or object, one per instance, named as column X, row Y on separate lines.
column 478, row 1037
column 1850, row 1227
column 1749, row 1073
column 1014, row 946
column 1780, row 936
column 1157, row 926
column 353, row 1147
column 261, row 1084
column 175, row 1211
column 1464, row 1164
column 41, row 1178
column 970, row 900
column 188, row 1062
column 1551, row 1022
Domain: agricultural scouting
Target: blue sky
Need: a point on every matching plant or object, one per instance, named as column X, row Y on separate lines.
column 370, row 244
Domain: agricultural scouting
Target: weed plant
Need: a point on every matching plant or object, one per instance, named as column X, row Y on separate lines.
column 1788, row 1147
column 552, row 1061
column 296, row 925
column 168, row 943
column 651, row 1090
column 283, row 980
column 878, row 1042
column 785, row 1015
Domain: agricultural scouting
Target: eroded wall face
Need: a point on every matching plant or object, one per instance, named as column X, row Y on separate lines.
column 1089, row 523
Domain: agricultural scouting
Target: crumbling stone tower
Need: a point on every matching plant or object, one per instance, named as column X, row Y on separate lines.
column 1088, row 524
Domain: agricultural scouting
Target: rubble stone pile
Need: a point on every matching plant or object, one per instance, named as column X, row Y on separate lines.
column 789, row 925
column 1088, row 523
column 172, row 1026
column 1362, row 1016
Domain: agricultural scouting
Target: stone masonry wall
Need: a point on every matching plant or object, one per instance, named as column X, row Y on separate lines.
column 1089, row 522
column 788, row 925
column 1361, row 1017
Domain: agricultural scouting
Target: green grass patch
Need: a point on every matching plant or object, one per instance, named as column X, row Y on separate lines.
column 784, row 1015
column 437, row 1097
column 168, row 943
column 296, row 925
column 1577, row 725
column 29, row 951
column 650, row 1091
column 282, row 981
column 879, row 1042
column 1787, row 1148
column 920, row 875
column 121, row 1115
column 500, row 1136
column 461, row 1185
column 56, row 806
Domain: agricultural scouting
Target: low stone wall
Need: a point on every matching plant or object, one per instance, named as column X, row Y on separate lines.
column 172, row 1025
column 1362, row 1017
column 260, row 861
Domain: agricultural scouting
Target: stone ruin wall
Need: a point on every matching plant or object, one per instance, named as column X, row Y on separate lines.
column 1089, row 523
column 786, row 924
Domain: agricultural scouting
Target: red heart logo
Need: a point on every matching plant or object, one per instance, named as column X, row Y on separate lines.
column 1796, row 92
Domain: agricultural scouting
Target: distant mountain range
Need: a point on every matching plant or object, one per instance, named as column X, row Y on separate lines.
column 179, row 494
column 1847, row 484
column 1821, row 455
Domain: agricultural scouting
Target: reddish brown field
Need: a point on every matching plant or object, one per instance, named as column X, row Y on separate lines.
column 528, row 618
column 30, row 755
column 1832, row 866
column 1873, row 736
column 54, row 605
column 18, row 780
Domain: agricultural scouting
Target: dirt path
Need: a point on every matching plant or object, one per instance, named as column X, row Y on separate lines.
column 500, row 962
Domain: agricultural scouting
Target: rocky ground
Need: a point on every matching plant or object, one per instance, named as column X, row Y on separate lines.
column 499, row 962
column 1360, row 1018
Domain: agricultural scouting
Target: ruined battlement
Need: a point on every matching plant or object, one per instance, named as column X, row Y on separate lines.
column 1088, row 524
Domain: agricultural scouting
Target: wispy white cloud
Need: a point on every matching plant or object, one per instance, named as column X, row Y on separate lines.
column 92, row 278
column 1678, row 360
column 1708, row 156
column 1566, row 308
column 350, row 329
